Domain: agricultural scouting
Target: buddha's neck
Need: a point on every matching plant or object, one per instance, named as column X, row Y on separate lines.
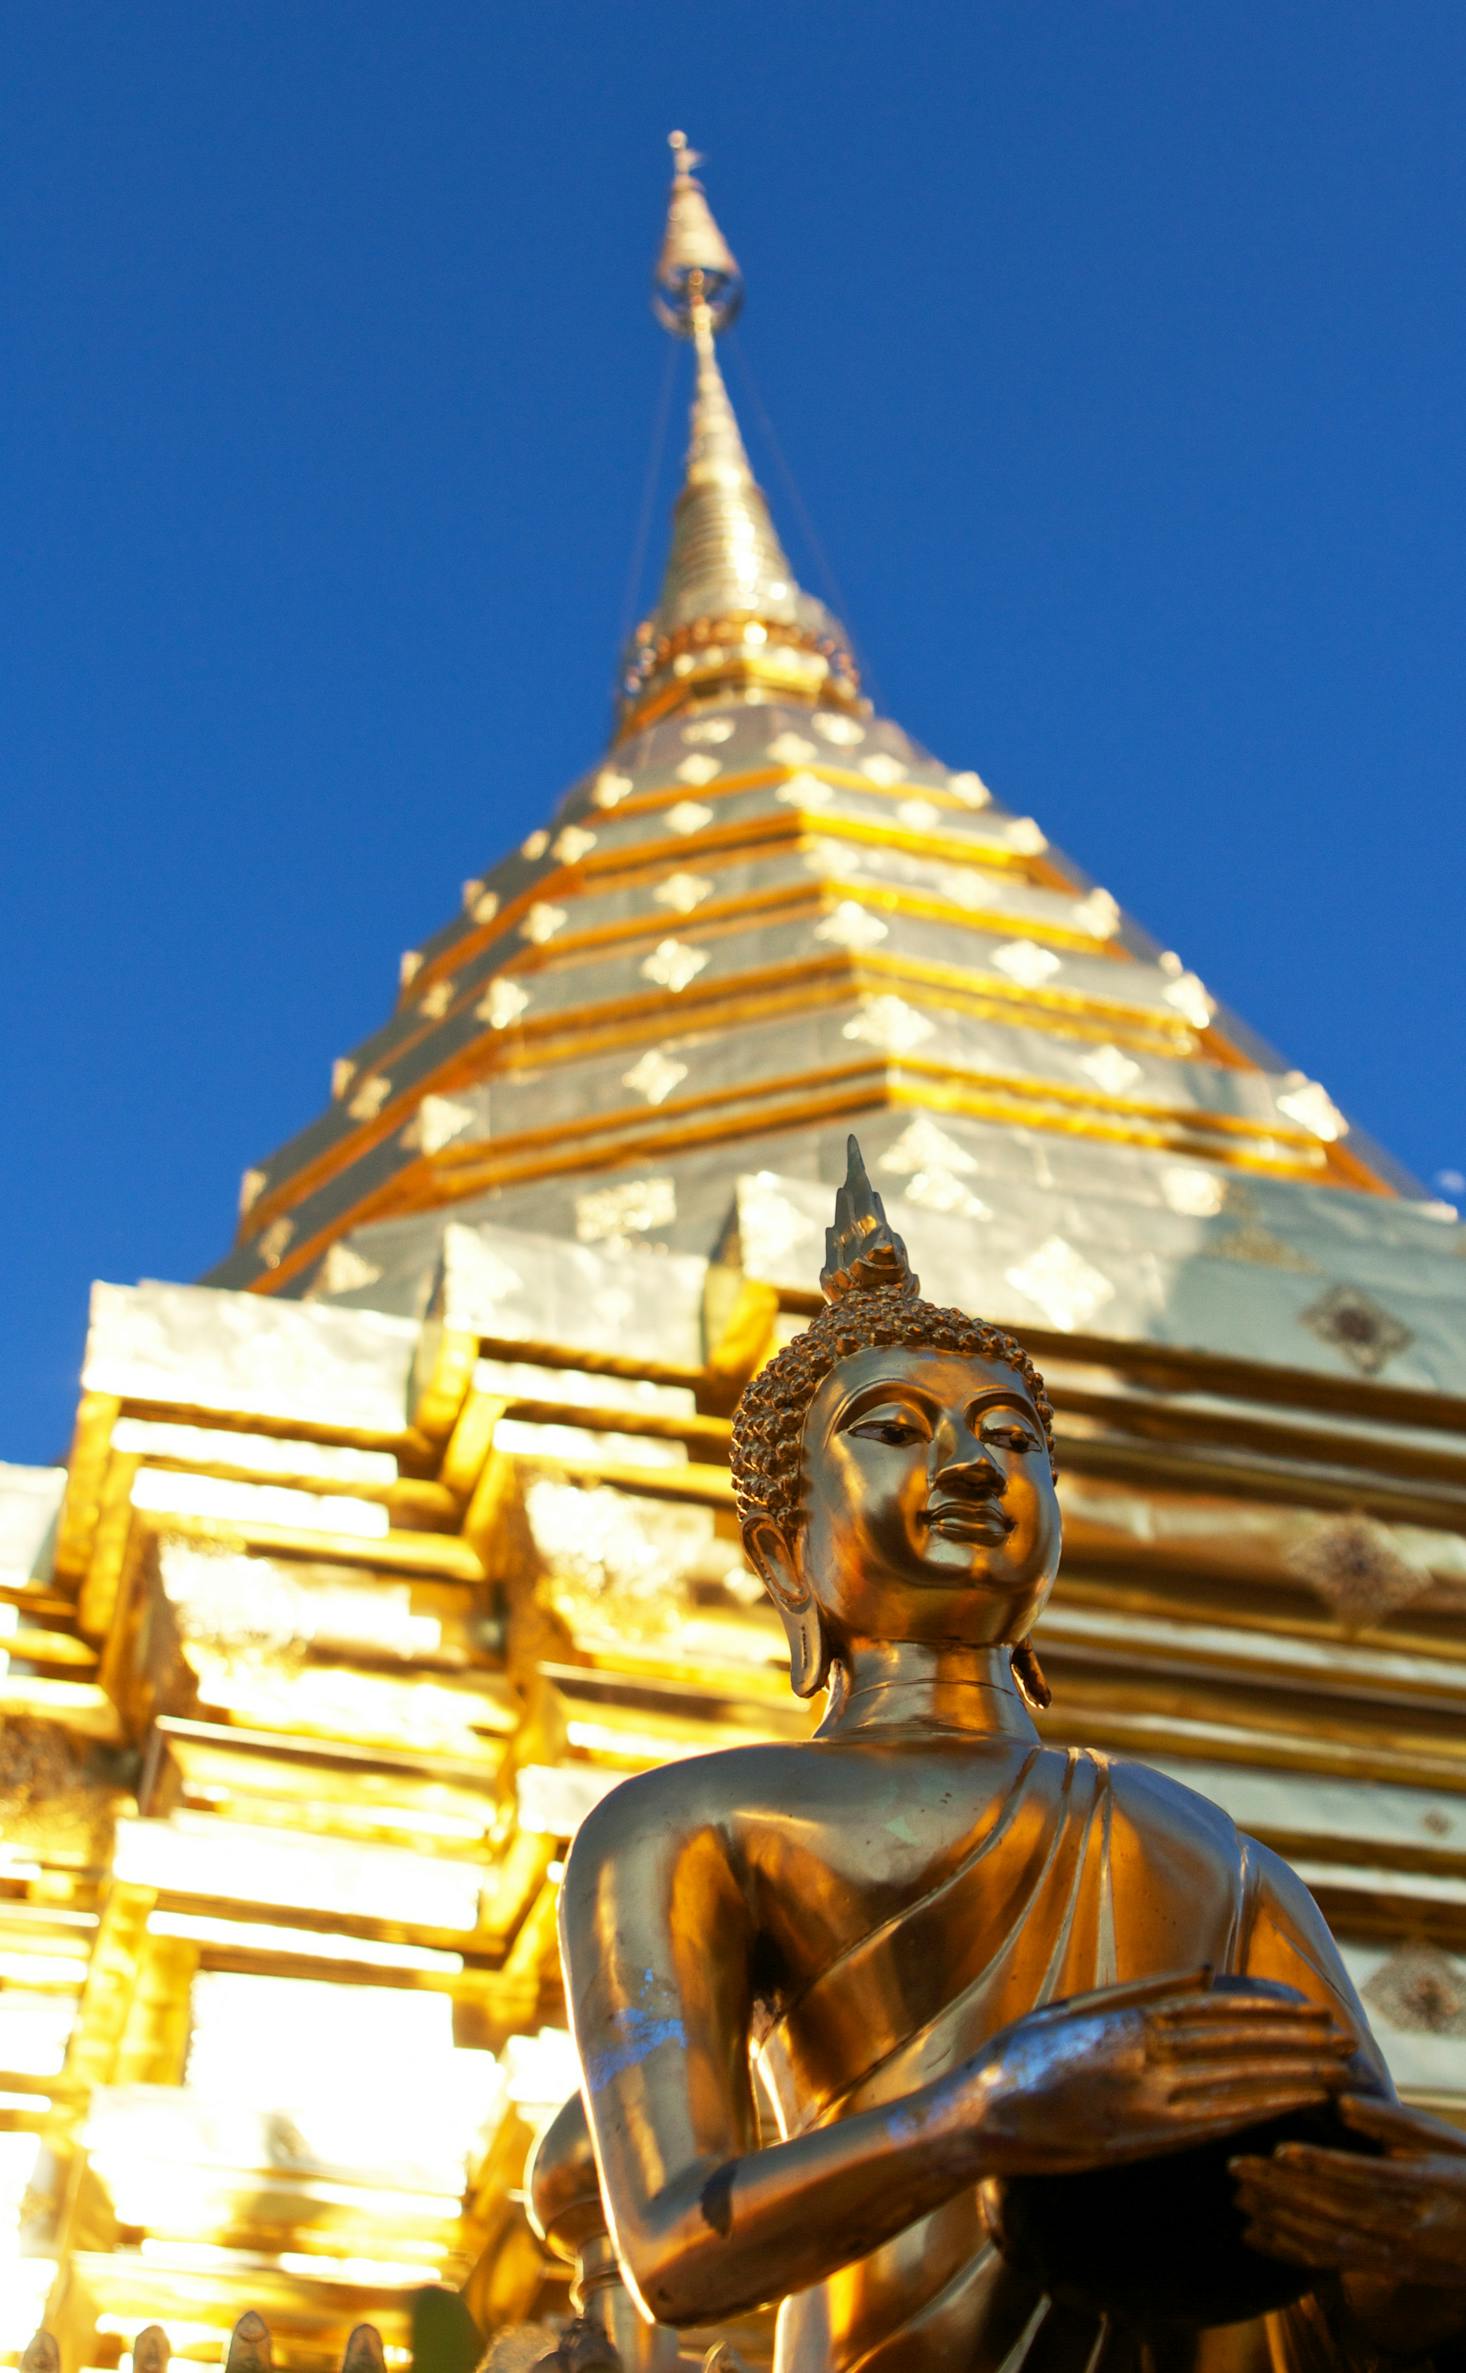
column 909, row 1685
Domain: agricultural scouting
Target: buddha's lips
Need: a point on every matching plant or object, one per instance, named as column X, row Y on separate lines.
column 968, row 1516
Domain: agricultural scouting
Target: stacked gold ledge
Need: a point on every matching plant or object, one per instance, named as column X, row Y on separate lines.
column 381, row 1555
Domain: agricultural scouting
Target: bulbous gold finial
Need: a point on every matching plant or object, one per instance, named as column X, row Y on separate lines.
column 697, row 280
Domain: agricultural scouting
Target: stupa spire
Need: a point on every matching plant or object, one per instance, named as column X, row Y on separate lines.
column 730, row 610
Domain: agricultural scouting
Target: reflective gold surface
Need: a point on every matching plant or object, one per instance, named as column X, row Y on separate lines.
column 947, row 1953
column 365, row 1583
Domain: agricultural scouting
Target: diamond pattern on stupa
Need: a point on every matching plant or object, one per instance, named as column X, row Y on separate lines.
column 768, row 915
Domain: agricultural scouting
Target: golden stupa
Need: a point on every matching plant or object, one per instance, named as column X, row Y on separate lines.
column 383, row 1553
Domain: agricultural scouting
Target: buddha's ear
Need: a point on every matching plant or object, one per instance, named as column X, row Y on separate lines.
column 782, row 1571
column 777, row 1563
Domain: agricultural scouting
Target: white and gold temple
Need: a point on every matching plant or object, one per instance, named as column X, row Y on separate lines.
column 382, row 1553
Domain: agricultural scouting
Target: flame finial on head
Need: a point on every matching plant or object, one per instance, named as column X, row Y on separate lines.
column 863, row 1253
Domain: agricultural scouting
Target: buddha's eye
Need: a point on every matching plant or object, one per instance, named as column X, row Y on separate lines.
column 895, row 1432
column 1011, row 1437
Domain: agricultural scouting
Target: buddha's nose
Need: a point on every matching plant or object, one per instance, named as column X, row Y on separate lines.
column 965, row 1466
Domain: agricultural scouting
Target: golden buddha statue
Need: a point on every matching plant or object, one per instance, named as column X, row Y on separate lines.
column 959, row 1962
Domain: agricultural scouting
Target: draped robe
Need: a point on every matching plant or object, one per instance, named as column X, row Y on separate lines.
column 913, row 1900
column 1084, row 1874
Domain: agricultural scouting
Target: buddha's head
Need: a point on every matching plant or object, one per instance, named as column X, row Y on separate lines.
column 894, row 1466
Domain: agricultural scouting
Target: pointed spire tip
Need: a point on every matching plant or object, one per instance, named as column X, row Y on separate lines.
column 729, row 607
column 697, row 283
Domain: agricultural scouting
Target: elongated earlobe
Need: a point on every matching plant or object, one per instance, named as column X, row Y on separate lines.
column 783, row 1577
column 809, row 1650
column 1029, row 1675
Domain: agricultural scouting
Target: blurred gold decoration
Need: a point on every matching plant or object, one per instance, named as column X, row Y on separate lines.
column 1355, row 1564
column 1252, row 1242
column 1368, row 1335
column 521, row 2349
column 251, row 2349
column 1421, row 1990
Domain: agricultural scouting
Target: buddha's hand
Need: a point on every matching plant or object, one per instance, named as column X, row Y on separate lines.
column 1133, row 2071
column 1400, row 2218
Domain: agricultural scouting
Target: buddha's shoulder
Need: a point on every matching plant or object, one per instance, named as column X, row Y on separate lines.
column 700, row 1791
column 738, row 1791
column 745, row 1789
column 1150, row 1804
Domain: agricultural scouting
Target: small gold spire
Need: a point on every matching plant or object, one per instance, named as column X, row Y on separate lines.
column 726, row 559
column 729, row 609
column 696, row 266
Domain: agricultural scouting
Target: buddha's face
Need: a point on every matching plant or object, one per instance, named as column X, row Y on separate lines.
column 930, row 1507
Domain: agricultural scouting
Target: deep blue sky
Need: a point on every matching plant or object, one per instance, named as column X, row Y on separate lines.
column 1116, row 351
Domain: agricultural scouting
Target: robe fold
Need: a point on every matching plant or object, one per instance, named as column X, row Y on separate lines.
column 1083, row 1874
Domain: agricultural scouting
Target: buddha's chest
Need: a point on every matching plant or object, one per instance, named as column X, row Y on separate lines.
column 945, row 1911
column 879, row 1836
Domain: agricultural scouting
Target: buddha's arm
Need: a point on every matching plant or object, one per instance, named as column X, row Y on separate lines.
column 1391, row 2229
column 1287, row 1938
column 658, row 1942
